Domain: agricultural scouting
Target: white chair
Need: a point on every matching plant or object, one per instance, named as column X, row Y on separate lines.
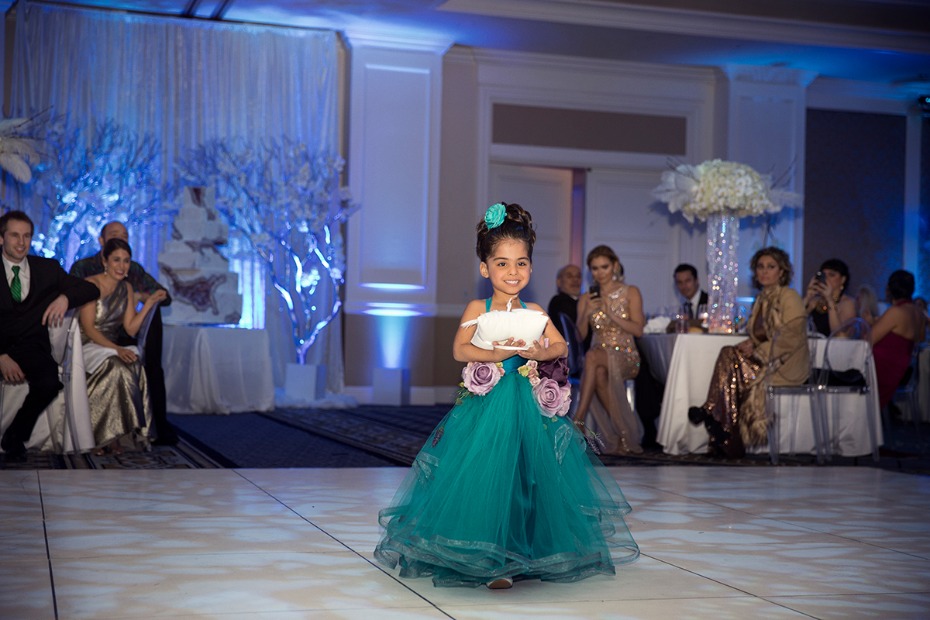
column 64, row 426
column 855, row 370
column 780, row 415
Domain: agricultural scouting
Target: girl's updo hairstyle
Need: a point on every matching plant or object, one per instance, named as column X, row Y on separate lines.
column 515, row 222
column 113, row 245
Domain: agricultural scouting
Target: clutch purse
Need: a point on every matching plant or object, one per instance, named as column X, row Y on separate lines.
column 499, row 325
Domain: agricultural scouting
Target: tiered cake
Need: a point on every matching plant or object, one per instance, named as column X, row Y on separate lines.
column 203, row 289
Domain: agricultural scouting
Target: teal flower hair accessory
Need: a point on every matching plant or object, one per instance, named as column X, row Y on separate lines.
column 495, row 215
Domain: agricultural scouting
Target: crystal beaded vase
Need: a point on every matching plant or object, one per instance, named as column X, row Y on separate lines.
column 722, row 272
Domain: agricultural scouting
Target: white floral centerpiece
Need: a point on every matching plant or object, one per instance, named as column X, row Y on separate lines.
column 720, row 192
column 725, row 187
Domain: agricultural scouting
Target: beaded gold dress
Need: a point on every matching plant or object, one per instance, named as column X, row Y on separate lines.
column 117, row 392
column 623, row 431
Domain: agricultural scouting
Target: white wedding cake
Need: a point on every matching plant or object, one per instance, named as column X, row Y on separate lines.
column 203, row 289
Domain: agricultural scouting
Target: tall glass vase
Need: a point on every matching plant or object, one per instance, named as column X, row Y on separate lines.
column 722, row 272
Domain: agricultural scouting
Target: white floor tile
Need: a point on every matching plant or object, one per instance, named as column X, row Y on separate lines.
column 720, row 542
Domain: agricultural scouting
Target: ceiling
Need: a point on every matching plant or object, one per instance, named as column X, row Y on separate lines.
column 884, row 41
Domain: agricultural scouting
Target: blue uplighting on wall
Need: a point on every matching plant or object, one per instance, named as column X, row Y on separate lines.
column 390, row 286
column 392, row 335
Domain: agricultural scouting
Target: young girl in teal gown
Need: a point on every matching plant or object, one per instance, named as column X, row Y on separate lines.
column 506, row 488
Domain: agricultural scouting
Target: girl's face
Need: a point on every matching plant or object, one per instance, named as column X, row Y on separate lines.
column 768, row 273
column 508, row 267
column 835, row 280
column 602, row 269
column 117, row 264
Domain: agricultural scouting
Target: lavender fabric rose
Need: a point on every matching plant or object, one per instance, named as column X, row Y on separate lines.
column 556, row 369
column 553, row 399
column 480, row 377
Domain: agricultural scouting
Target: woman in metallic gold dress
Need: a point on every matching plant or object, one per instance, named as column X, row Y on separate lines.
column 613, row 310
column 116, row 386
column 734, row 412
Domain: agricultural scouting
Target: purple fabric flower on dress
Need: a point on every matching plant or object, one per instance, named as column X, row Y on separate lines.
column 552, row 398
column 556, row 369
column 480, row 377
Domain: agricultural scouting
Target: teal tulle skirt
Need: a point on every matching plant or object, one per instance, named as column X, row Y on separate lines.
column 499, row 490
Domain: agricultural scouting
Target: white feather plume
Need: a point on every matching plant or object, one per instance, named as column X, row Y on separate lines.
column 19, row 151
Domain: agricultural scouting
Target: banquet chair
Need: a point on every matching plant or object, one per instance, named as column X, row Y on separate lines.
column 909, row 389
column 144, row 332
column 64, row 426
column 575, row 357
column 848, row 373
column 776, row 395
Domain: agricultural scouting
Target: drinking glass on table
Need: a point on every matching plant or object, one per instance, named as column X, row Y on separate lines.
column 682, row 319
column 702, row 315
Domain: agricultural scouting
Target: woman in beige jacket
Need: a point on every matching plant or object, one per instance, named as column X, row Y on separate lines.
column 734, row 412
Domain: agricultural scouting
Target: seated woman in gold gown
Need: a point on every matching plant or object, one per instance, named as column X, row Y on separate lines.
column 613, row 310
column 734, row 413
column 116, row 388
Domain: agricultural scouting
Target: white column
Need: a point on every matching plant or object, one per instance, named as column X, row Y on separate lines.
column 392, row 243
column 765, row 125
column 394, row 129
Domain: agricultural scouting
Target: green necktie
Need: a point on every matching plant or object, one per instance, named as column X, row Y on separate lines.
column 16, row 287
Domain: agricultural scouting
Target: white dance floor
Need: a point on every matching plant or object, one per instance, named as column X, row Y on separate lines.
column 717, row 542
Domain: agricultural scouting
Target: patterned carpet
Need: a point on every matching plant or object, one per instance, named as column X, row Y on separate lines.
column 382, row 436
column 375, row 436
column 181, row 456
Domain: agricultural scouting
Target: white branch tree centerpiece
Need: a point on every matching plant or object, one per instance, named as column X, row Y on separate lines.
column 94, row 175
column 288, row 204
column 720, row 193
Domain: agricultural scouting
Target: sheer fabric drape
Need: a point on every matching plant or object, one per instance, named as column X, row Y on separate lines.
column 185, row 82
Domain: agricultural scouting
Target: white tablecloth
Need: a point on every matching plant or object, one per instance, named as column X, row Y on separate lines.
column 217, row 370
column 658, row 349
column 689, row 375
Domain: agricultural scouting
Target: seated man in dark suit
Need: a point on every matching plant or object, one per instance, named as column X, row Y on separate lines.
column 34, row 293
column 686, row 281
column 143, row 285
column 565, row 301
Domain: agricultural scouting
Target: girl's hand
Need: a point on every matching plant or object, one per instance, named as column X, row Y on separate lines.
column 126, row 355
column 536, row 350
column 159, row 295
column 510, row 342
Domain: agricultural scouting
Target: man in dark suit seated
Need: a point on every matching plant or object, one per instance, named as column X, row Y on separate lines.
column 144, row 285
column 35, row 293
column 686, row 281
column 565, row 301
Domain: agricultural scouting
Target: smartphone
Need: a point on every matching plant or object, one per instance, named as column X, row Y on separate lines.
column 820, row 277
column 594, row 291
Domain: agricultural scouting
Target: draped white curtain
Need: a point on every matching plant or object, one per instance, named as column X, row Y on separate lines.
column 185, row 82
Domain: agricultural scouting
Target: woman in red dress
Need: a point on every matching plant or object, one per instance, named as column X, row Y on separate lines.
column 895, row 334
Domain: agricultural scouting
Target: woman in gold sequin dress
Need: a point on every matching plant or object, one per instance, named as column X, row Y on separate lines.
column 613, row 311
column 734, row 412
column 116, row 387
